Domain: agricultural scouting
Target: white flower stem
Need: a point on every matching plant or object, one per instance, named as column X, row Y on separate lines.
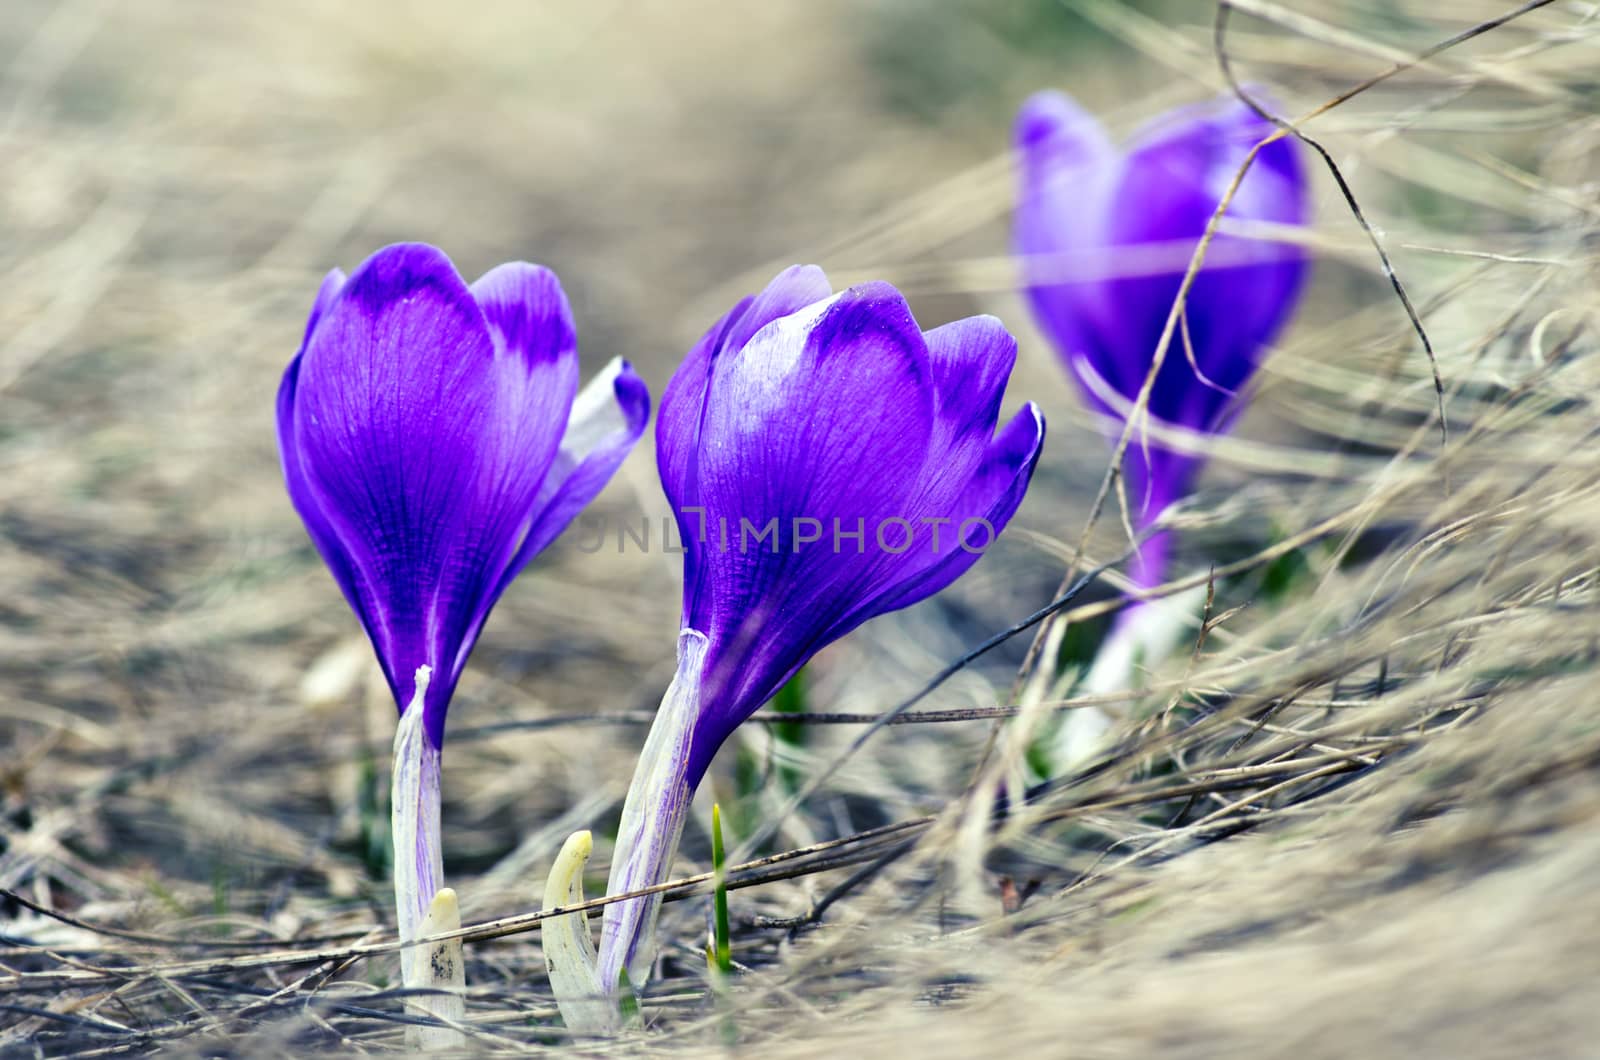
column 414, row 828
column 653, row 816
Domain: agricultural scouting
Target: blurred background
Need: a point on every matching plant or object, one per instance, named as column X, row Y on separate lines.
column 192, row 743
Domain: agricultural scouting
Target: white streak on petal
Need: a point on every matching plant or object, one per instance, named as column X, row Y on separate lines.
column 595, row 414
column 777, row 348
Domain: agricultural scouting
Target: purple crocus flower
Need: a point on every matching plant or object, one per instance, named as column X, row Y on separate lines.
column 1105, row 236
column 434, row 440
column 828, row 461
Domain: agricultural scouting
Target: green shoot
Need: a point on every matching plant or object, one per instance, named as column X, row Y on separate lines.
column 722, row 957
column 627, row 1000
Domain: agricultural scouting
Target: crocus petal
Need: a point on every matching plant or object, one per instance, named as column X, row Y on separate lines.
column 331, row 285
column 1173, row 179
column 790, row 291
column 607, row 419
column 528, row 315
column 413, row 450
column 536, row 362
column 300, row 493
column 305, row 502
column 680, row 420
column 989, row 499
column 929, row 561
column 1069, row 167
column 971, row 359
column 678, row 426
column 825, row 413
column 683, row 407
column 1067, row 172
column 1248, row 295
column 972, row 477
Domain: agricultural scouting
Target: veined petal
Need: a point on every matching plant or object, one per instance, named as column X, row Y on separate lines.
column 1249, row 294
column 331, row 285
column 416, row 455
column 536, row 374
column 1205, row 143
column 747, row 668
column 683, row 405
column 304, row 497
column 681, row 419
column 987, row 502
column 827, row 411
column 536, row 370
column 1175, row 175
column 824, row 419
column 789, row 292
column 300, row 494
column 528, row 315
column 607, row 419
column 678, row 425
column 1067, row 172
column 971, row 359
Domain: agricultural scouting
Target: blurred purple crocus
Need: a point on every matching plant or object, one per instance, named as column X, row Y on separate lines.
column 828, row 461
column 1104, row 237
column 434, row 440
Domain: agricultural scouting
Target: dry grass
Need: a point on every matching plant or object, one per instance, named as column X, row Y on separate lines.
column 1359, row 817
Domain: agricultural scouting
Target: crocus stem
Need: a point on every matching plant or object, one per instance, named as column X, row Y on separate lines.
column 414, row 827
column 653, row 816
